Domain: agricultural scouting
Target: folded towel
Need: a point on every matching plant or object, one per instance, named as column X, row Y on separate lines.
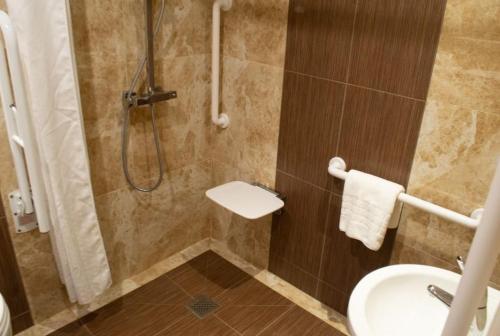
column 368, row 204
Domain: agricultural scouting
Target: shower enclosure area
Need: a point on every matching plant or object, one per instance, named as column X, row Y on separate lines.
column 141, row 229
column 144, row 70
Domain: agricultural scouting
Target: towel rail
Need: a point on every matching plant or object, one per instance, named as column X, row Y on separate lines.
column 337, row 168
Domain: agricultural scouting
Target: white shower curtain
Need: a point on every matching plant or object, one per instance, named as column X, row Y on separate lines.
column 43, row 29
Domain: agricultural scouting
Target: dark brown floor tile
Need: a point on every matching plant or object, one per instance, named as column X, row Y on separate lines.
column 208, row 274
column 298, row 232
column 324, row 329
column 251, row 292
column 133, row 319
column 310, row 119
column 72, row 329
column 192, row 326
column 395, row 44
column 245, row 308
column 159, row 291
column 251, row 320
column 296, row 322
column 319, row 37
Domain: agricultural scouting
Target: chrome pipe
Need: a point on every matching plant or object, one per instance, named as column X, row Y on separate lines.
column 150, row 56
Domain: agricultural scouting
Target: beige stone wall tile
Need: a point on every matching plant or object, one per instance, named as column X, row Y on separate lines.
column 101, row 85
column 169, row 219
column 37, row 266
column 459, row 139
column 474, row 19
column 105, row 163
column 475, row 91
column 185, row 29
column 255, row 30
column 118, row 234
column 404, row 254
column 469, row 55
column 455, row 143
column 251, row 96
column 97, row 28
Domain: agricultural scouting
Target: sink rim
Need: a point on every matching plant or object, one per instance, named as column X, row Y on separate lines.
column 358, row 321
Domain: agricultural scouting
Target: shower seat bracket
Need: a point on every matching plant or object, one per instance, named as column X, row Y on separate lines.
column 23, row 222
column 274, row 192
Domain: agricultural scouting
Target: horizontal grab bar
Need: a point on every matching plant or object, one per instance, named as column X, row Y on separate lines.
column 337, row 168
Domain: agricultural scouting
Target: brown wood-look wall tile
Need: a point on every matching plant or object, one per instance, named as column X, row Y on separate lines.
column 294, row 275
column 345, row 260
column 379, row 133
column 309, row 126
column 333, row 297
column 11, row 285
column 392, row 45
column 21, row 322
column 319, row 37
column 395, row 44
column 301, row 226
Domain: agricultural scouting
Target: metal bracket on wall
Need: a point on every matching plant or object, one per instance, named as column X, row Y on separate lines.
column 274, row 192
column 23, row 222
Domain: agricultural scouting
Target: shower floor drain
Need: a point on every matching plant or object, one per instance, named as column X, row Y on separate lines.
column 202, row 306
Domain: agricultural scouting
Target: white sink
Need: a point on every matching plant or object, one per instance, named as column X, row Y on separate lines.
column 394, row 301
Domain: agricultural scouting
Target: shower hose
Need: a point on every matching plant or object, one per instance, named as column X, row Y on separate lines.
column 127, row 107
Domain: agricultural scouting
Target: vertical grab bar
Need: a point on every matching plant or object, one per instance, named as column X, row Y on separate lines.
column 222, row 119
column 15, row 108
column 15, row 146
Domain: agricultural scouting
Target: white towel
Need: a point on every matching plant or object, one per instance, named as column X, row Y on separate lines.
column 368, row 204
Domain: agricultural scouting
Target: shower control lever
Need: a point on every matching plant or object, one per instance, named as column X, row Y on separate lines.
column 158, row 95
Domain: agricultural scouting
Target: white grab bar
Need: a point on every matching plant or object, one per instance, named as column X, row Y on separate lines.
column 337, row 168
column 17, row 121
column 221, row 120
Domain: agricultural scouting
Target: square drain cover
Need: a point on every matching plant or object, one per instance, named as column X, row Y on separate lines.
column 202, row 306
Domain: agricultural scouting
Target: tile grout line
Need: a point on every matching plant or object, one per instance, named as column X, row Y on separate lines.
column 178, row 286
column 172, row 324
column 260, row 305
column 226, row 324
column 277, row 319
column 233, row 285
column 337, row 148
column 297, row 266
column 323, row 244
column 351, row 44
column 355, row 85
column 348, row 71
column 302, row 180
